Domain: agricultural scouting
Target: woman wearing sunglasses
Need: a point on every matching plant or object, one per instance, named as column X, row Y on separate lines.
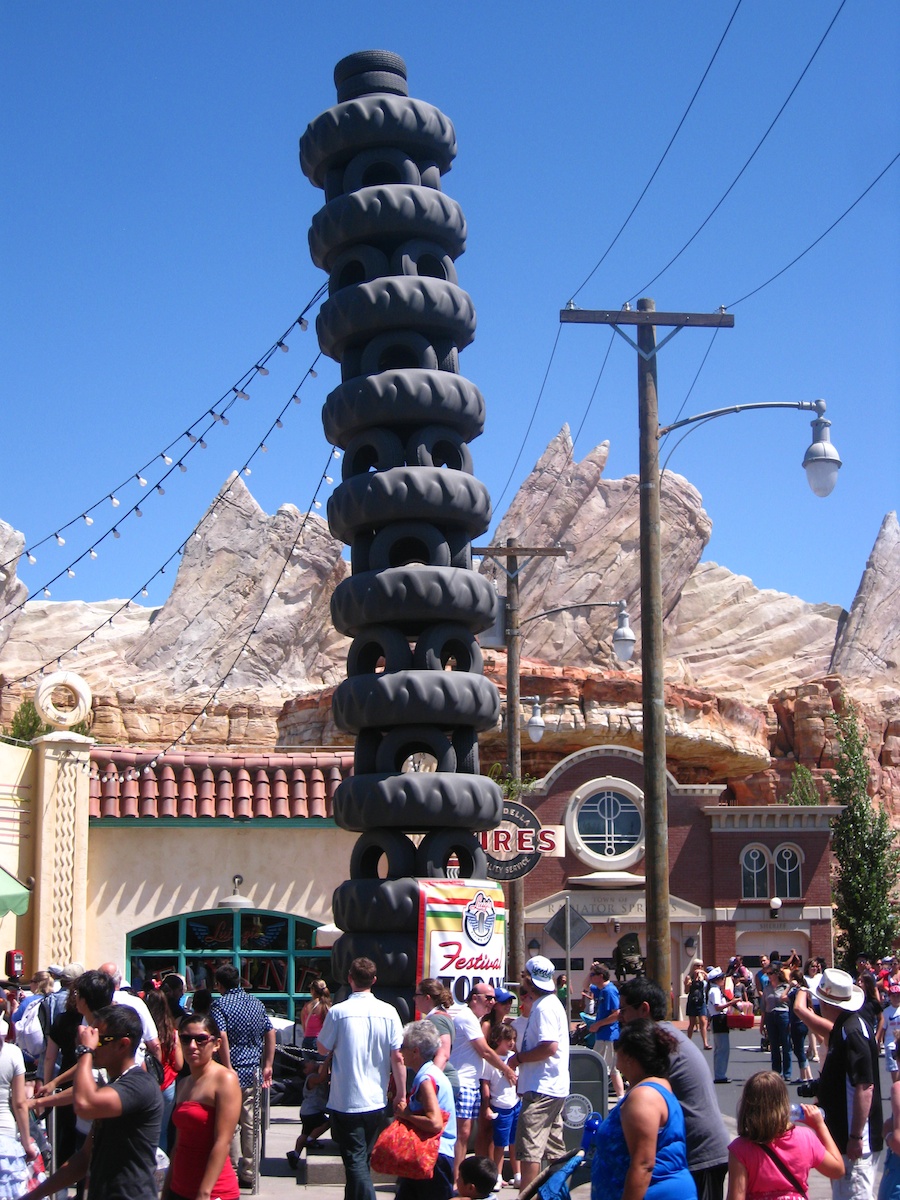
column 207, row 1109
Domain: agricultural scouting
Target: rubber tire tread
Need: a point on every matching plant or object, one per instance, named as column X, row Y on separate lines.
column 368, row 60
column 394, row 649
column 389, row 452
column 448, row 499
column 367, row 82
column 412, row 598
column 373, row 261
column 436, row 848
column 418, row 801
column 412, row 125
column 419, row 449
column 370, row 354
column 432, row 539
column 442, row 698
column 430, row 647
column 376, row 905
column 359, row 164
column 386, row 212
column 432, row 307
column 412, row 396
column 368, row 850
column 393, row 953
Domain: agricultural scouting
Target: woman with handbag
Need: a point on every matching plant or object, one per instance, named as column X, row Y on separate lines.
column 772, row 1158
column 430, row 1097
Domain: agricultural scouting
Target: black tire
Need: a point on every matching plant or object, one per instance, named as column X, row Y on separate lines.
column 358, row 264
column 465, row 743
column 375, row 905
column 418, row 801
column 406, row 542
column 420, row 129
column 432, row 307
column 365, row 753
column 436, row 849
column 367, row 82
column 368, row 60
column 378, row 642
column 404, row 397
column 402, row 350
column 374, row 215
column 442, row 698
column 389, row 844
column 394, row 956
column 441, row 643
column 374, row 450
column 413, row 598
column 398, row 744
column 448, row 499
column 424, row 258
column 438, row 446
column 380, row 166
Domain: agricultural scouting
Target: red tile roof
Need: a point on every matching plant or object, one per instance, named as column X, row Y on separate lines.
column 198, row 784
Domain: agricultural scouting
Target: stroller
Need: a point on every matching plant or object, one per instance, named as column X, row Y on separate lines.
column 553, row 1182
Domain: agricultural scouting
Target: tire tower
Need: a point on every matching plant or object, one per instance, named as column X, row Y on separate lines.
column 408, row 506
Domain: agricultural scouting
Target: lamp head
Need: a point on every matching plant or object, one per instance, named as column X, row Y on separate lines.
column 821, row 461
column 624, row 637
column 535, row 724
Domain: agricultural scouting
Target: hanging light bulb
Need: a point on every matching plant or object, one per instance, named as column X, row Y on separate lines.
column 279, row 424
column 115, row 532
column 335, row 453
column 47, row 594
column 304, row 324
column 295, row 398
column 137, row 511
column 141, row 480
column 182, row 468
column 202, row 444
column 247, row 471
column 284, row 348
column 263, row 370
column 192, row 438
column 223, row 419
column 166, row 459
column 143, row 591
column 240, row 394
column 160, row 490
column 87, row 520
column 317, row 503
column 31, row 558
column 264, row 447
column 92, row 552
column 313, row 373
column 328, row 479
column 114, row 502
column 60, row 540
column 70, row 573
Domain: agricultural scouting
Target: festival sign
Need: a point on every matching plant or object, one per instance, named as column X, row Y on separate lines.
column 462, row 934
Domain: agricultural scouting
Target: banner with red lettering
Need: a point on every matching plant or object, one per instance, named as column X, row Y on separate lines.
column 462, row 934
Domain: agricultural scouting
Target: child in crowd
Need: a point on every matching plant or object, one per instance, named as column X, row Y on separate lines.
column 477, row 1177
column 314, row 1120
column 890, row 1180
column 503, row 1103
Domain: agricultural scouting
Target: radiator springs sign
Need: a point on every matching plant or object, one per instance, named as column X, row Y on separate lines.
column 462, row 934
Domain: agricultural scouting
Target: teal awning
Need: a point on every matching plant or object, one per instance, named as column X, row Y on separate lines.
column 14, row 896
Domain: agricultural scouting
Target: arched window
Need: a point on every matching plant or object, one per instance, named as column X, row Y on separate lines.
column 272, row 950
column 754, row 874
column 788, row 884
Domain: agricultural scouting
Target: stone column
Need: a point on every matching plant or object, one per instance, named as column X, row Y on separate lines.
column 61, row 847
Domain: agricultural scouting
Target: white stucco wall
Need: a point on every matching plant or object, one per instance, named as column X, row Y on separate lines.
column 141, row 874
column 17, row 777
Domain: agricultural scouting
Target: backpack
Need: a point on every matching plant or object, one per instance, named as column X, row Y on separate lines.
column 30, row 1030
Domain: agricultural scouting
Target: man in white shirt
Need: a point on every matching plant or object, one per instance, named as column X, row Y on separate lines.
column 363, row 1036
column 149, row 1033
column 469, row 1054
column 543, row 1064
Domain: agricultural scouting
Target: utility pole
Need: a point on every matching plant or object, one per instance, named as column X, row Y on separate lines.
column 507, row 557
column 656, row 818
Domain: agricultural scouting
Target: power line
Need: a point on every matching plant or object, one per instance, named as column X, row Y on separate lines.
column 646, row 187
column 643, row 290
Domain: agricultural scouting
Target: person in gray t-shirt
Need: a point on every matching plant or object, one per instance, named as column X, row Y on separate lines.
column 707, row 1140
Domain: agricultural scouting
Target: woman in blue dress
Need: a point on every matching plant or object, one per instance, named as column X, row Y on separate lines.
column 640, row 1148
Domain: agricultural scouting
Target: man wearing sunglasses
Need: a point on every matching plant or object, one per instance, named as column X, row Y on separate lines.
column 120, row 1151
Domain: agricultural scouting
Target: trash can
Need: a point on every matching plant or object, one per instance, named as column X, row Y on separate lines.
column 588, row 1092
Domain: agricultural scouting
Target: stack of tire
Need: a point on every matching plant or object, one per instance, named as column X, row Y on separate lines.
column 408, row 507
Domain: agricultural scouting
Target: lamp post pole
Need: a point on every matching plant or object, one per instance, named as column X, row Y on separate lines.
column 516, row 888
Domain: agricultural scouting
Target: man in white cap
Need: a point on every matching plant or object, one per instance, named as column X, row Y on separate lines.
column 542, row 1061
column 850, row 1085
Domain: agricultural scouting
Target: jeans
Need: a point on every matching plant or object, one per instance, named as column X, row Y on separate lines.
column 778, row 1029
column 354, row 1135
column 721, row 1054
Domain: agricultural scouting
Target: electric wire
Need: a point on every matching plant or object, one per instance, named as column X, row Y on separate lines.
column 643, row 290
column 665, row 153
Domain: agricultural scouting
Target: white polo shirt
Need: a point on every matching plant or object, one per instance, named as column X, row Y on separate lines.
column 360, row 1033
column 547, row 1023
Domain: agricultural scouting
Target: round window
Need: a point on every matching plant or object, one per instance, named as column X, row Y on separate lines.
column 605, row 824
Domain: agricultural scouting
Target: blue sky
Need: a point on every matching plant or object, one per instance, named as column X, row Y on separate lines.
column 154, row 246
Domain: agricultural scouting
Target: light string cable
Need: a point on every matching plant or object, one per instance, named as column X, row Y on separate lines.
column 646, row 188
column 244, row 648
column 222, row 498
column 643, row 291
column 612, row 243
column 216, row 415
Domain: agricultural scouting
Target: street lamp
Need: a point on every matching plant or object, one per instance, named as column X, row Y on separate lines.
column 622, row 640
column 535, row 724
column 774, row 908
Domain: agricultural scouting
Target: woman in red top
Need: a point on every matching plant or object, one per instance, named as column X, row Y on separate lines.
column 207, row 1109
column 172, row 1059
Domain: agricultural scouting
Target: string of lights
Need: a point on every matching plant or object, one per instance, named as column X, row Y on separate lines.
column 244, row 648
column 665, row 153
column 217, row 414
column 709, row 216
column 222, row 497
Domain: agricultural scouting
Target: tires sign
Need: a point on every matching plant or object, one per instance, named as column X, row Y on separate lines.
column 519, row 842
column 462, row 934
